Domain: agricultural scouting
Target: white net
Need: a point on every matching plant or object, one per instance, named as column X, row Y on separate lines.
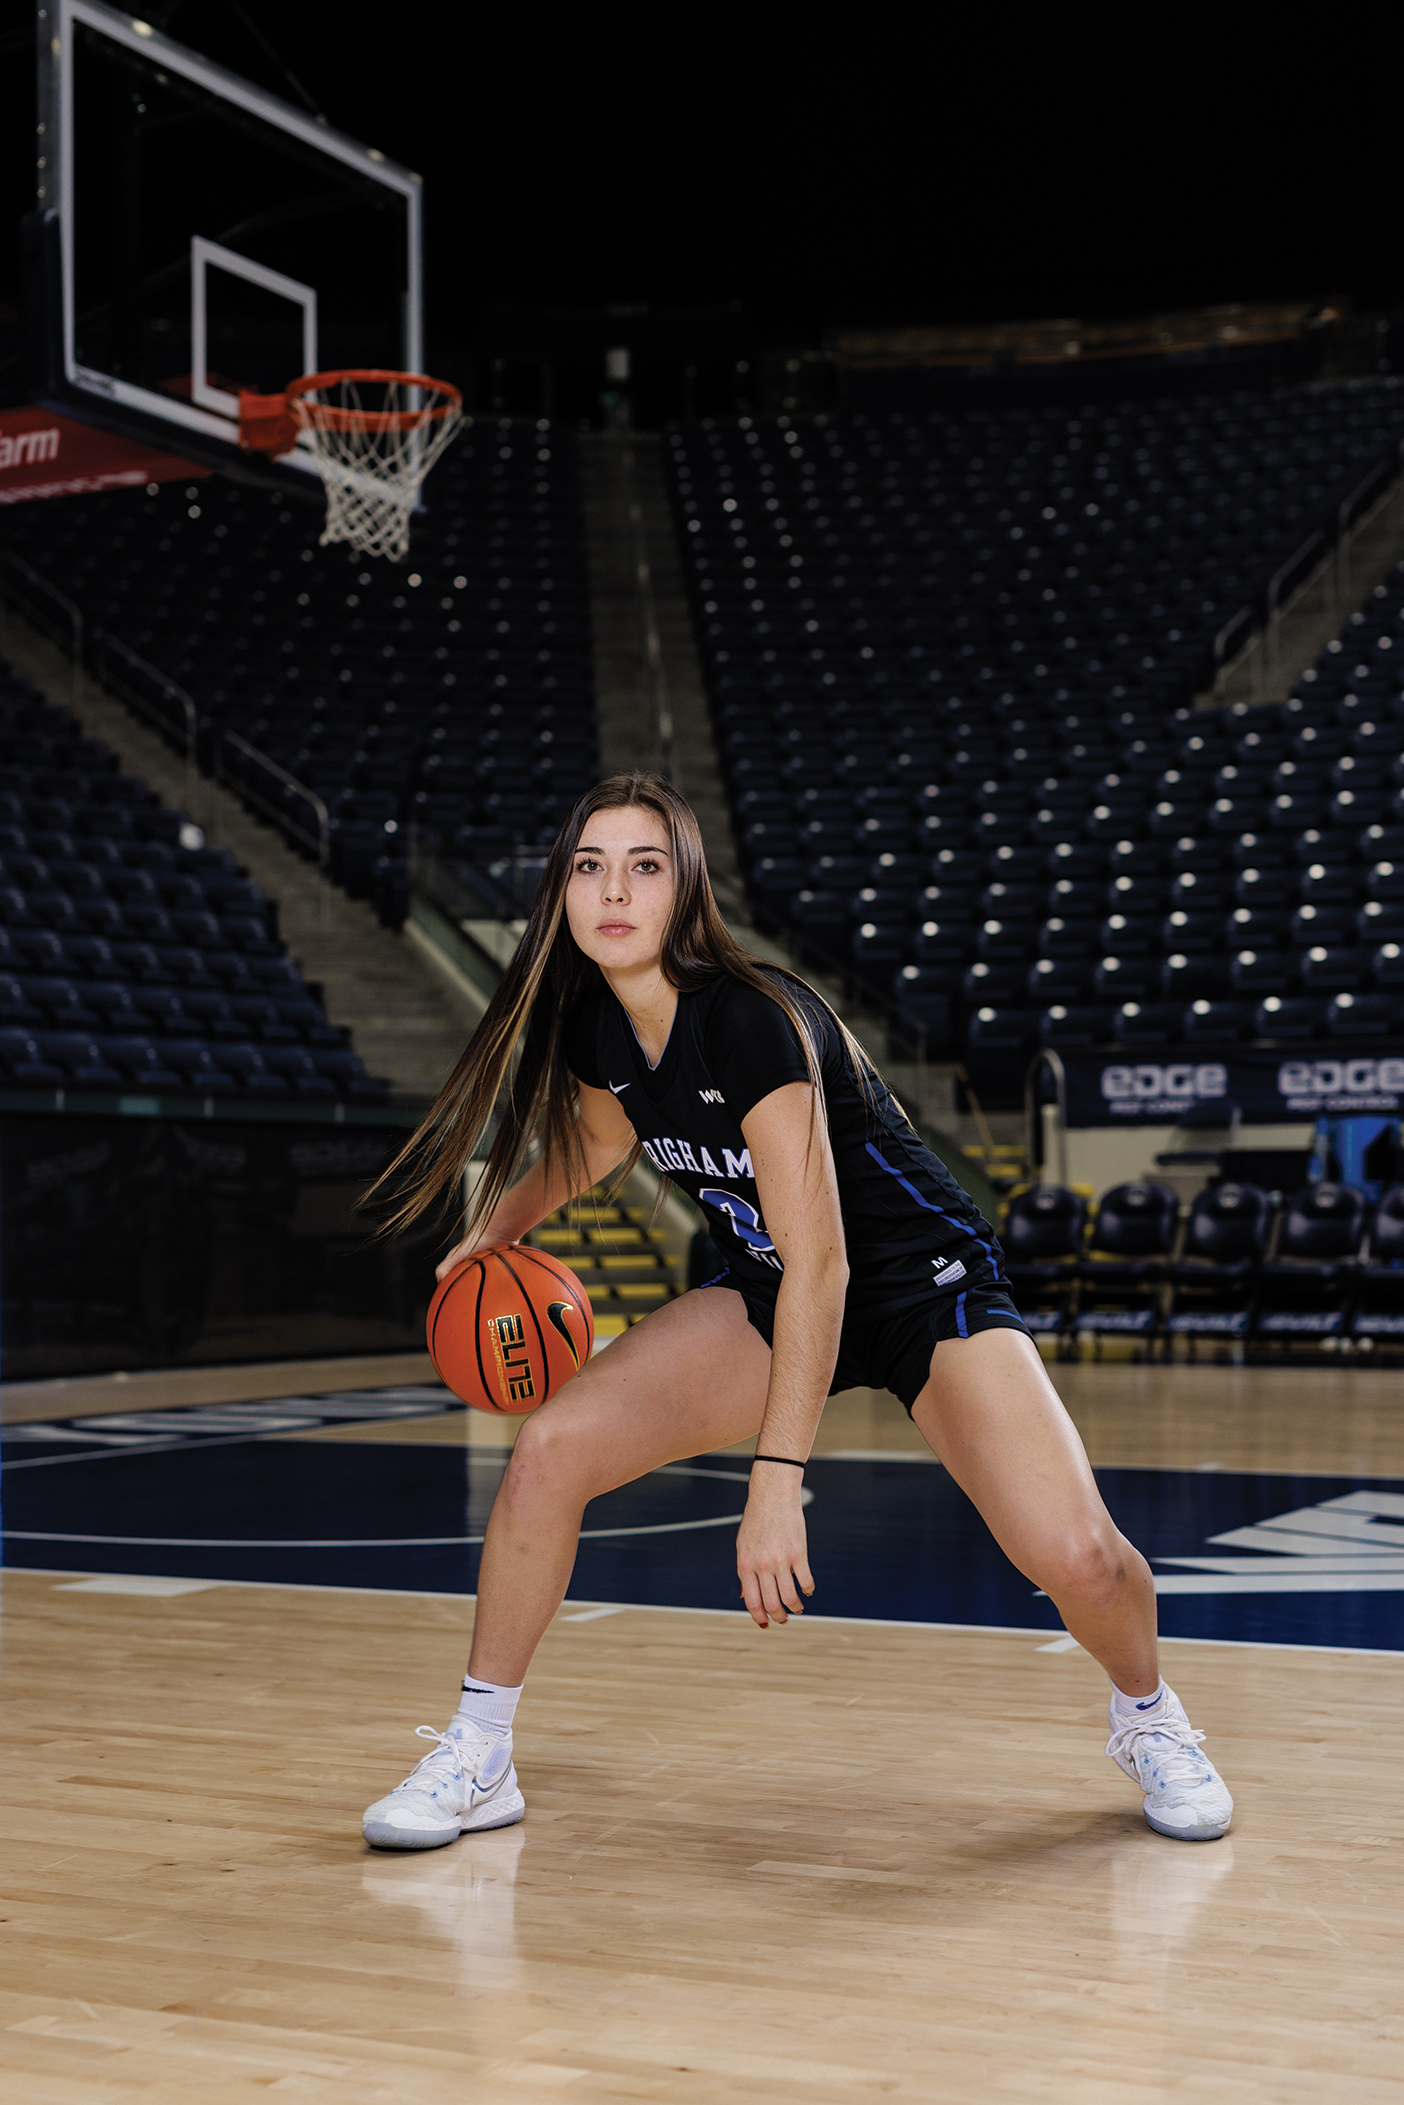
column 374, row 436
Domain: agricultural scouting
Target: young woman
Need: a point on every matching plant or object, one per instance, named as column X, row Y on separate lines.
column 629, row 1018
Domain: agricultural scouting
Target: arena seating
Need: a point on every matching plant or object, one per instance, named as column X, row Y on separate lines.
column 452, row 692
column 1303, row 1292
column 1042, row 1236
column 1225, row 1241
column 951, row 662
column 1321, row 1269
column 1379, row 1314
column 1121, row 1276
column 132, row 955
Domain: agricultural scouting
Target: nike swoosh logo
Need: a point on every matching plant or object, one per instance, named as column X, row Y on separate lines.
column 619, row 1087
column 556, row 1314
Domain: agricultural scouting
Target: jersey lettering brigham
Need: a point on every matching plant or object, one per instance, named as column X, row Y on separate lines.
column 677, row 1158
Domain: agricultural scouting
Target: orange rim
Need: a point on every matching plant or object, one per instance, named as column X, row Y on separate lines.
column 333, row 418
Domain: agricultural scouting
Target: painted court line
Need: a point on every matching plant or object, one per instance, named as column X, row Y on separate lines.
column 854, row 1622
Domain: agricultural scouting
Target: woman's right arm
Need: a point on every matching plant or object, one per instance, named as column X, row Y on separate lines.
column 606, row 1137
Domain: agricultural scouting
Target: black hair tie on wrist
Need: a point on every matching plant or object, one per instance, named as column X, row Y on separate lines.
column 788, row 1460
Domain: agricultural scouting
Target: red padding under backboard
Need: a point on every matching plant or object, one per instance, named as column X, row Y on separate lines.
column 43, row 455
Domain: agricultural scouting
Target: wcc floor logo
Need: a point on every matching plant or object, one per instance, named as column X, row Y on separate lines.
column 1351, row 1544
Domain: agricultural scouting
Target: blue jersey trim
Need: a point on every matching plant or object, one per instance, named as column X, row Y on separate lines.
column 939, row 1211
column 961, row 1330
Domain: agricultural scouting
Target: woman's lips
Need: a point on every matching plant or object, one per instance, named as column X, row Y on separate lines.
column 615, row 928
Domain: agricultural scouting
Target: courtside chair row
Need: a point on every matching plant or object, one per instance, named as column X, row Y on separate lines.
column 1317, row 1268
column 449, row 695
column 950, row 662
column 130, row 953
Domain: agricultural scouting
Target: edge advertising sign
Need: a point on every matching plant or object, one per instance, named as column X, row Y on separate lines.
column 1269, row 1085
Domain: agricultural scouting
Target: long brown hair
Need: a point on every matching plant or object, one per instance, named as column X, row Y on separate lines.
column 514, row 1063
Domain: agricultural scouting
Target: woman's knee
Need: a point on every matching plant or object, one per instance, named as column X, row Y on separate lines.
column 554, row 1450
column 1093, row 1565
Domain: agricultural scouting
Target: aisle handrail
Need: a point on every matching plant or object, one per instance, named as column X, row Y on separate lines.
column 320, row 840
column 169, row 690
column 72, row 612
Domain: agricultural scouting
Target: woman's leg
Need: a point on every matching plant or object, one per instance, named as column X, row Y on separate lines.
column 692, row 1376
column 994, row 1418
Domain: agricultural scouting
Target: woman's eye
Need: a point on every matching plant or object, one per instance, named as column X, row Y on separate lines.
column 646, row 865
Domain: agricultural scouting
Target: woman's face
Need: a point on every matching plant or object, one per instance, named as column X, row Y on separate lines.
column 620, row 892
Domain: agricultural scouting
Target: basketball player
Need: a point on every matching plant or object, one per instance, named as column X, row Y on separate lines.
column 851, row 1258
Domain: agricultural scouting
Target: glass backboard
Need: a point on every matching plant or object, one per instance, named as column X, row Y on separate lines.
column 205, row 237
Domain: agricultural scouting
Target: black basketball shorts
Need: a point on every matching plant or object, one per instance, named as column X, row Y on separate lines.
column 891, row 1351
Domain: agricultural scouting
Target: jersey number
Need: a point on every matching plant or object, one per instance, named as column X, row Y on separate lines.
column 746, row 1223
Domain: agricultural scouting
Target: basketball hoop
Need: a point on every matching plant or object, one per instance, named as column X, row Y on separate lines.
column 374, row 436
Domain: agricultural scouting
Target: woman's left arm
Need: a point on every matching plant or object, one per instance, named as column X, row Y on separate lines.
column 788, row 1136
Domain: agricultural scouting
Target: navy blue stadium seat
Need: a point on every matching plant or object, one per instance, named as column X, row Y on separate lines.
column 1121, row 1276
column 1001, row 1029
column 253, row 1069
column 1281, row 1017
column 1214, row 1279
column 301, row 1069
column 1217, row 1022
column 80, row 1057
column 22, row 1057
column 1325, row 969
column 1379, row 1280
column 198, row 1066
column 879, row 943
column 1260, row 972
column 347, row 1071
column 1042, row 1239
column 139, row 1060
column 1148, row 1023
column 1306, row 1287
column 1065, row 1025
column 1362, row 1015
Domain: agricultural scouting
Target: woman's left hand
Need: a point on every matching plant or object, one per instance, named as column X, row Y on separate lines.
column 772, row 1553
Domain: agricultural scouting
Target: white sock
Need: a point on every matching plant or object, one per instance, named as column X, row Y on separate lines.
column 1130, row 1706
column 489, row 1706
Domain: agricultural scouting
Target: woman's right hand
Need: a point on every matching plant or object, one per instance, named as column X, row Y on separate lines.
column 461, row 1252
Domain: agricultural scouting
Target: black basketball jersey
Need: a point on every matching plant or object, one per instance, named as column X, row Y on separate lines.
column 907, row 1223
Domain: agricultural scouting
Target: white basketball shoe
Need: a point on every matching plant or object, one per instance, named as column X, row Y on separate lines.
column 1159, row 1749
column 467, row 1783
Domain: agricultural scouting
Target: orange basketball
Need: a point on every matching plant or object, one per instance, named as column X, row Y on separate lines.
column 508, row 1328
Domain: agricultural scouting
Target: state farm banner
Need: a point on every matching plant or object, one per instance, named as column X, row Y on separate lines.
column 43, row 455
column 1269, row 1087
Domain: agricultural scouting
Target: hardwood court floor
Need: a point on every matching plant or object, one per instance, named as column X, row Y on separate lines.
column 822, row 1864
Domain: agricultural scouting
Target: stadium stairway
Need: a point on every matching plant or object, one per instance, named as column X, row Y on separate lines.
column 1269, row 665
column 645, row 648
column 408, row 1009
column 627, row 1262
column 637, row 589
